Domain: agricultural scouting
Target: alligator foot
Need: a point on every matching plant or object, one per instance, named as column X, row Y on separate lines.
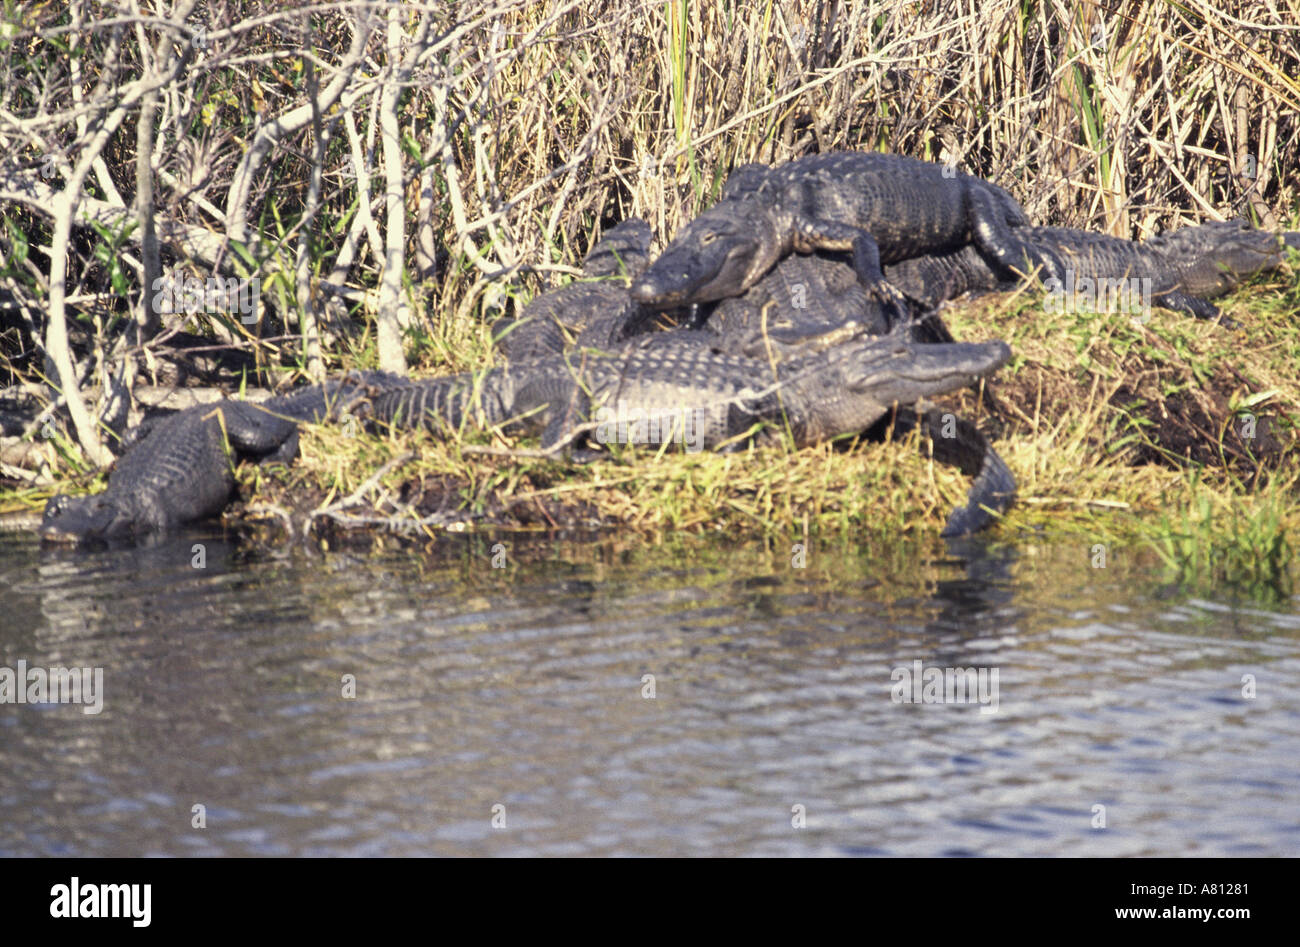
column 894, row 306
column 1194, row 306
column 866, row 264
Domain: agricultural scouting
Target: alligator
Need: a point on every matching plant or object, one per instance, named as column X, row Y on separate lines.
column 817, row 392
column 959, row 443
column 1177, row 270
column 881, row 208
column 677, row 388
column 802, row 296
column 1212, row 259
column 805, row 296
column 809, row 294
column 180, row 467
column 595, row 310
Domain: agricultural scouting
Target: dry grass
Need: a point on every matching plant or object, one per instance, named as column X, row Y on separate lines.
column 539, row 124
column 1097, row 417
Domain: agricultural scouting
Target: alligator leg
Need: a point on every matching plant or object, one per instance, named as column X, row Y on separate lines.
column 1192, row 306
column 815, row 234
column 257, row 432
column 285, row 452
column 565, row 420
column 999, row 244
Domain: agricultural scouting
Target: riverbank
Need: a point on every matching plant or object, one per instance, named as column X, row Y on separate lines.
column 1154, row 428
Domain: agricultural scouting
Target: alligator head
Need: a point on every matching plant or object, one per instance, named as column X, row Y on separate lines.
column 83, row 519
column 1213, row 258
column 720, row 253
column 850, row 386
column 1222, row 269
column 901, row 372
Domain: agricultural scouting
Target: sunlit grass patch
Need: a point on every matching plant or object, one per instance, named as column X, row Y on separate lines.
column 1112, row 424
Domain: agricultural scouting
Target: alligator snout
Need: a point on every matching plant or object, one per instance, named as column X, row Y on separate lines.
column 679, row 277
column 650, row 292
column 72, row 520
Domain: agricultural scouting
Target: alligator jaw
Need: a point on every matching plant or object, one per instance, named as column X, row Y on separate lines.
column 905, row 372
column 71, row 520
column 721, row 253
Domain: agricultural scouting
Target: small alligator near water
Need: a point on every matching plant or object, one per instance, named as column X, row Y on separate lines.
column 1176, row 270
column 881, row 208
column 182, row 469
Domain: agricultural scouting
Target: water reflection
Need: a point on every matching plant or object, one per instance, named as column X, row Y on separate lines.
column 601, row 695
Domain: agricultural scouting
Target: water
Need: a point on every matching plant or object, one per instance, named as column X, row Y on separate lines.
column 519, row 695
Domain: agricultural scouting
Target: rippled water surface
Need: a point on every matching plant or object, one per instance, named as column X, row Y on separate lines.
column 618, row 696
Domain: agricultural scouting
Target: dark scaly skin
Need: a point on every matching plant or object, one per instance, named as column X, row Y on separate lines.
column 182, row 469
column 820, row 393
column 677, row 388
column 550, row 321
column 805, row 296
column 481, row 399
column 802, row 296
column 880, row 208
column 1184, row 266
column 960, row 443
column 804, row 299
column 1213, row 258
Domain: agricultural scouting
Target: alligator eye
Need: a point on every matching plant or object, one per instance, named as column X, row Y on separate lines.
column 707, row 237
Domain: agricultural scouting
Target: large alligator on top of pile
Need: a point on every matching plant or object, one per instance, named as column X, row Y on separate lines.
column 881, row 208
column 803, row 296
column 181, row 468
column 1178, row 270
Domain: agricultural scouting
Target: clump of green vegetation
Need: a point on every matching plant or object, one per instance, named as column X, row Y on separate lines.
column 1117, row 429
column 528, row 127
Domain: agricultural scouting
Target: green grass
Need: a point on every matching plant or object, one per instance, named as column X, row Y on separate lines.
column 1070, row 447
